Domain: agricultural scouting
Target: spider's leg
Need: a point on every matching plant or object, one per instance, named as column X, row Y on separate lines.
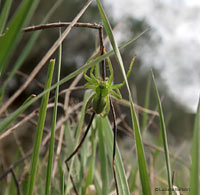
column 90, row 86
column 87, row 78
column 82, row 139
column 118, row 85
column 95, row 80
column 107, row 108
column 116, row 93
column 114, row 145
column 71, row 178
column 77, row 148
column 89, row 101
column 127, row 75
column 111, row 71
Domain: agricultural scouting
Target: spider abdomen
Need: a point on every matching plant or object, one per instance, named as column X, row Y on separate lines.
column 99, row 104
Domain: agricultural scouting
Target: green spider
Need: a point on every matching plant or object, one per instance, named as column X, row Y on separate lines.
column 103, row 89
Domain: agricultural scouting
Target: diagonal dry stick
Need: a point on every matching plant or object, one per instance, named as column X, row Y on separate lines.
column 45, row 58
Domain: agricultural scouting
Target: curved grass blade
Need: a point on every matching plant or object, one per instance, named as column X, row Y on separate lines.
column 103, row 159
column 4, row 14
column 39, row 130
column 164, row 136
column 13, row 34
column 139, row 145
column 146, row 104
column 194, row 173
column 53, row 126
column 61, row 177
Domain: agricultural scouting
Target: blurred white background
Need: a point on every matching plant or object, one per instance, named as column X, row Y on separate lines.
column 176, row 24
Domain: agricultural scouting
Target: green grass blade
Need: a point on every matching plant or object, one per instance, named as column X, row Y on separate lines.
column 4, row 14
column 146, row 104
column 132, row 179
column 164, row 136
column 144, row 178
column 26, row 51
column 53, row 126
column 13, row 34
column 4, row 123
column 159, row 140
column 69, row 148
column 140, row 148
column 83, row 164
column 61, row 176
column 90, row 174
column 39, row 130
column 194, row 173
column 108, row 140
column 103, row 159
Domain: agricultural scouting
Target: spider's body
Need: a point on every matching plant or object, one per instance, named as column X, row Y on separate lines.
column 99, row 101
column 102, row 90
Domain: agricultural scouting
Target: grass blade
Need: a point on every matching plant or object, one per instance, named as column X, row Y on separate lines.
column 53, row 126
column 140, row 149
column 108, row 139
column 39, row 130
column 132, row 179
column 194, row 173
column 13, row 34
column 4, row 14
column 146, row 104
column 164, row 136
column 91, row 169
column 61, row 176
column 103, row 160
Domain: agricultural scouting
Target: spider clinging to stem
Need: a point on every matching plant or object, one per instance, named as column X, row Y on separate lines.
column 103, row 89
column 101, row 103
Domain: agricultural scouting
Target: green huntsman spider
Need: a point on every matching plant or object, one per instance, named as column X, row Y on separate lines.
column 103, row 89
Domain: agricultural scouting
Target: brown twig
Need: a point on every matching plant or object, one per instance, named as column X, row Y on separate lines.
column 155, row 147
column 124, row 123
column 61, row 121
column 3, row 175
column 138, row 107
column 102, row 51
column 26, row 77
column 67, row 90
column 27, row 118
column 61, row 24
